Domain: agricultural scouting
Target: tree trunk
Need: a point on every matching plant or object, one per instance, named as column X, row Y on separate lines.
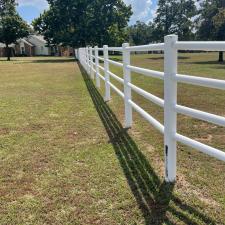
column 8, row 51
column 220, row 56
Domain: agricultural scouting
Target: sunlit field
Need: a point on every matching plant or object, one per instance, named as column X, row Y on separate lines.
column 66, row 159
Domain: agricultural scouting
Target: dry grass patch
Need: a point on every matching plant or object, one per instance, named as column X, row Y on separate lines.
column 66, row 159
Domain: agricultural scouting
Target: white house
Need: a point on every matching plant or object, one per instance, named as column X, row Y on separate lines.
column 39, row 44
column 24, row 47
column 35, row 45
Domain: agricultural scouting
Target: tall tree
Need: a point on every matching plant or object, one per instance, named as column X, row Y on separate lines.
column 6, row 6
column 175, row 17
column 140, row 33
column 84, row 22
column 12, row 26
column 211, row 21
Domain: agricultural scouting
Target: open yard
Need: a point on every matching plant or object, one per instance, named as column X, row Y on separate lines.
column 66, row 159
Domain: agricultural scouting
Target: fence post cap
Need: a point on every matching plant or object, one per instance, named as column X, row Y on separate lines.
column 173, row 37
column 105, row 46
column 125, row 45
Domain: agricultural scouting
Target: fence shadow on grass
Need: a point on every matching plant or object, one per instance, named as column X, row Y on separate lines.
column 154, row 198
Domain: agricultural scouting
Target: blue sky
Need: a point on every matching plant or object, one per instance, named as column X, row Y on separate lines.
column 144, row 10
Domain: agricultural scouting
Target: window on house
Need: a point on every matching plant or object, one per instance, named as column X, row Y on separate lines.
column 42, row 48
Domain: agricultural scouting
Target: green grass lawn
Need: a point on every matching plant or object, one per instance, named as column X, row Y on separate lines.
column 66, row 159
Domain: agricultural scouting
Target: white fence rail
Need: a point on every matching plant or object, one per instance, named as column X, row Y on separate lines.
column 89, row 58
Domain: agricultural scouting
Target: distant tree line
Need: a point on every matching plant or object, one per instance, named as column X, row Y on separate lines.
column 205, row 22
column 78, row 23
column 84, row 22
column 96, row 22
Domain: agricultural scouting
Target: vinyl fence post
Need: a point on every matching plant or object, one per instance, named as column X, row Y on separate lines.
column 91, row 63
column 106, row 68
column 83, row 57
column 78, row 54
column 170, row 115
column 87, row 59
column 96, row 67
column 127, row 89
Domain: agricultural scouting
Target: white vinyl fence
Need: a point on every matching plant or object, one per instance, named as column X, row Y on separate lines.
column 89, row 58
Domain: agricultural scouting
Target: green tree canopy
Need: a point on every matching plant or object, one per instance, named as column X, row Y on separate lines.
column 83, row 22
column 211, row 21
column 175, row 17
column 219, row 24
column 140, row 33
column 12, row 26
column 6, row 6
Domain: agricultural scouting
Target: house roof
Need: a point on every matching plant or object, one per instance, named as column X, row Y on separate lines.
column 27, row 42
column 39, row 37
column 2, row 45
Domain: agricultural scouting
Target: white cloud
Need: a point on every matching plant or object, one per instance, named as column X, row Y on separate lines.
column 39, row 4
column 143, row 10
